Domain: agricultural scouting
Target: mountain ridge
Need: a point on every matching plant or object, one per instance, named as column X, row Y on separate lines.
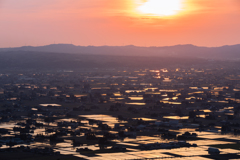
column 226, row 52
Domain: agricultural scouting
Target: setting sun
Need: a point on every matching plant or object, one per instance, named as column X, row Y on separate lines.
column 161, row 7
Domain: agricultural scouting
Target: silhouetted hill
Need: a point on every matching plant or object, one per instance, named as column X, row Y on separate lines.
column 184, row 51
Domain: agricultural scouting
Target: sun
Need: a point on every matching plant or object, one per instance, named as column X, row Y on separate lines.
column 161, row 7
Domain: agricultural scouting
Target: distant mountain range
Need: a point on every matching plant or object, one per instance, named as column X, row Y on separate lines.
column 184, row 51
column 65, row 56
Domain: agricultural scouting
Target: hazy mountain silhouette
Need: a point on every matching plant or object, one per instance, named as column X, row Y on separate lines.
column 217, row 53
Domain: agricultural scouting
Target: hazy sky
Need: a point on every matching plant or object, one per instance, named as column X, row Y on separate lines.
column 119, row 22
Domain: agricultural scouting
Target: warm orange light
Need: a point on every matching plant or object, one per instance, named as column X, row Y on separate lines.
column 161, row 7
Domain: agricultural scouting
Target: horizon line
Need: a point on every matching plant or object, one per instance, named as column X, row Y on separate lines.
column 116, row 45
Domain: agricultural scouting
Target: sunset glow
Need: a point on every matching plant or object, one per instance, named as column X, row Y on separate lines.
column 120, row 22
column 161, row 7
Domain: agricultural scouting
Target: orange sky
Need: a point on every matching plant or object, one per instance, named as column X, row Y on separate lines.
column 117, row 22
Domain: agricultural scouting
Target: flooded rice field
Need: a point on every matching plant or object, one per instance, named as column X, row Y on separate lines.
column 132, row 144
column 120, row 114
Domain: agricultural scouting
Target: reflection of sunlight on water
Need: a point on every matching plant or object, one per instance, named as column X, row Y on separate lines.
column 166, row 99
column 206, row 111
column 176, row 117
column 167, row 90
column 193, row 87
column 117, row 94
column 152, row 89
column 222, row 101
column 100, row 117
column 67, row 151
column 173, row 98
column 132, row 91
column 66, row 120
column 146, row 119
column 138, row 104
column 64, row 145
column 7, row 125
column 152, row 92
column 80, row 95
column 39, row 131
column 146, row 84
column 92, row 147
column 219, row 127
column 185, row 130
column 189, row 98
column 154, row 71
column 171, row 102
column 202, row 116
column 228, row 107
column 229, row 114
column 136, row 98
column 114, row 99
